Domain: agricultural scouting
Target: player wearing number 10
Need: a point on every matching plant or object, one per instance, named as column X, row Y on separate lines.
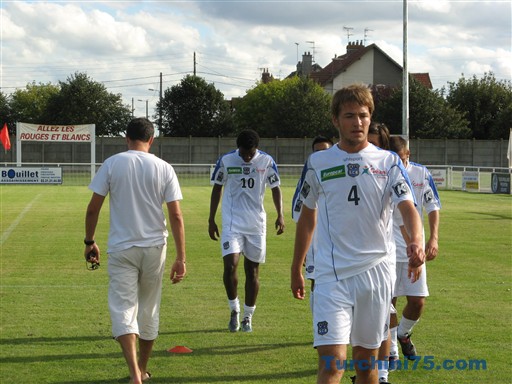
column 347, row 193
column 244, row 173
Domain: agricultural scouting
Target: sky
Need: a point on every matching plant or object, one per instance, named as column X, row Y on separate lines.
column 127, row 44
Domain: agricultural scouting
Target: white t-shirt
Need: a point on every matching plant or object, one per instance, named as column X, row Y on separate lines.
column 353, row 193
column 139, row 183
column 244, row 190
column 427, row 198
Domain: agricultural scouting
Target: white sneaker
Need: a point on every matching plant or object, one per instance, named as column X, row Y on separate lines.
column 247, row 324
column 234, row 323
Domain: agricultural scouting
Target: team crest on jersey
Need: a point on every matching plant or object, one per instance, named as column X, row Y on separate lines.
column 401, row 188
column 298, row 206
column 226, row 245
column 305, row 189
column 333, row 173
column 246, row 170
column 273, row 179
column 353, row 170
column 310, row 268
column 220, row 176
column 428, row 196
column 322, row 327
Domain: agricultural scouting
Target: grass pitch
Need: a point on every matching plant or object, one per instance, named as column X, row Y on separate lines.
column 55, row 326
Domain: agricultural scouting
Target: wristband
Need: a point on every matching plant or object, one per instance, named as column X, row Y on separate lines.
column 89, row 242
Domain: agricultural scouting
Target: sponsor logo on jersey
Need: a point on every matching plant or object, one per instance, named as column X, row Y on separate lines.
column 305, row 189
column 322, row 327
column 417, row 185
column 333, row 173
column 353, row 170
column 225, row 245
column 273, row 179
column 371, row 170
column 428, row 196
column 401, row 188
column 234, row 170
column 220, row 176
column 357, row 158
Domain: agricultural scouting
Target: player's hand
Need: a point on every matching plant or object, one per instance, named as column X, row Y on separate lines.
column 414, row 273
column 178, row 271
column 213, row 230
column 297, row 285
column 431, row 249
column 280, row 225
column 92, row 254
column 415, row 254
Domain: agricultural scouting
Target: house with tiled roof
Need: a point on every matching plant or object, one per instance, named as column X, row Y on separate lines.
column 361, row 64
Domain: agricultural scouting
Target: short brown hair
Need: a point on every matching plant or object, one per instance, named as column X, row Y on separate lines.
column 355, row 93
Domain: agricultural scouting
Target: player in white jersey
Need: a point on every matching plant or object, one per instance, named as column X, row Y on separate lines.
column 138, row 184
column 428, row 202
column 348, row 192
column 320, row 143
column 244, row 173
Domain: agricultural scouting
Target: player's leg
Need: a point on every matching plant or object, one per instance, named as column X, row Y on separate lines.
column 331, row 363
column 365, row 365
column 230, row 278
column 252, row 288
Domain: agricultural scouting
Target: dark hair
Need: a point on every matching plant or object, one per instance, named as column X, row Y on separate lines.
column 140, row 129
column 383, row 132
column 248, row 139
column 321, row 139
column 397, row 144
column 355, row 93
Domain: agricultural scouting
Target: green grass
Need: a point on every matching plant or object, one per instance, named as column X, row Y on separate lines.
column 55, row 326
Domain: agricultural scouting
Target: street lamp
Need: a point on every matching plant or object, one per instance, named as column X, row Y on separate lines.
column 160, row 106
column 146, row 106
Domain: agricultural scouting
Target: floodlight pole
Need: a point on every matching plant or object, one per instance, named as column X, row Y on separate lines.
column 405, row 75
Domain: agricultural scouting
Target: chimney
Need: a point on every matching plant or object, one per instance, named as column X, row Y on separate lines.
column 307, row 64
column 355, row 46
column 266, row 77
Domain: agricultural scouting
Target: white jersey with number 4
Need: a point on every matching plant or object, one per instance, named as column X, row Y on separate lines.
column 244, row 190
column 353, row 193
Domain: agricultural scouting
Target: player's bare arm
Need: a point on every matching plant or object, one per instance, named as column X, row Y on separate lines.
column 414, row 228
column 303, row 235
column 278, row 203
column 91, row 221
column 178, row 269
column 213, row 230
column 432, row 247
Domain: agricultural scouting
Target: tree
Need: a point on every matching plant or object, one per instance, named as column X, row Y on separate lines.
column 30, row 105
column 486, row 102
column 195, row 108
column 294, row 107
column 6, row 115
column 84, row 101
column 430, row 116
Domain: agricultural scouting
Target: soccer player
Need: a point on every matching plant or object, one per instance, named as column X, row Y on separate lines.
column 244, row 173
column 138, row 184
column 348, row 192
column 428, row 201
column 320, row 143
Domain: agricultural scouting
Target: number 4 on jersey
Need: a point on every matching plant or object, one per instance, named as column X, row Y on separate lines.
column 353, row 195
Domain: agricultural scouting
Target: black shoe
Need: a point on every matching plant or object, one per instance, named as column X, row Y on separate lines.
column 408, row 348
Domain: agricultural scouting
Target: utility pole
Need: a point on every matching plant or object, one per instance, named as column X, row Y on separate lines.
column 194, row 63
column 160, row 109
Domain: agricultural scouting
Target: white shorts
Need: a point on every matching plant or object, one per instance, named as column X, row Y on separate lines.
column 135, row 290
column 354, row 310
column 252, row 246
column 403, row 285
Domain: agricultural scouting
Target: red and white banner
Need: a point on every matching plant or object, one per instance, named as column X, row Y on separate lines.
column 63, row 133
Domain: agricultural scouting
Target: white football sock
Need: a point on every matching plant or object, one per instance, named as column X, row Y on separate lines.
column 405, row 327
column 234, row 305
column 248, row 311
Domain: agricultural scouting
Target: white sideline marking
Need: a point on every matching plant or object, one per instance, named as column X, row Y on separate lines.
column 15, row 223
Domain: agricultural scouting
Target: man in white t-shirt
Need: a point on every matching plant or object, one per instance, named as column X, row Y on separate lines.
column 244, row 173
column 139, row 184
column 416, row 292
column 349, row 188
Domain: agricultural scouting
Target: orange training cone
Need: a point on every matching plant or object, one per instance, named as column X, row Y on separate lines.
column 180, row 349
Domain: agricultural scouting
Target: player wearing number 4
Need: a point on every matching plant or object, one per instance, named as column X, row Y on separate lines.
column 348, row 192
column 244, row 173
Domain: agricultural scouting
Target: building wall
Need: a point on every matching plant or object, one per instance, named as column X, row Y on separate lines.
column 206, row 150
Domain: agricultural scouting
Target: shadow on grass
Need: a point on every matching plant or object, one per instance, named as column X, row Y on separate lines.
column 270, row 377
